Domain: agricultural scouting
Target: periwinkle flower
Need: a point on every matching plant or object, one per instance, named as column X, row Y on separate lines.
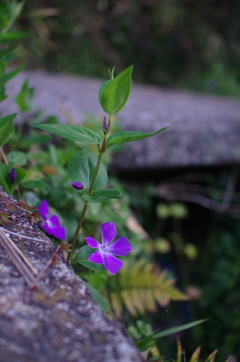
column 78, row 185
column 105, row 125
column 52, row 226
column 13, row 175
column 106, row 250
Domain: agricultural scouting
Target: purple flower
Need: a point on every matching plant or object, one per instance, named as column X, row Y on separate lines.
column 13, row 175
column 104, row 255
column 53, row 226
column 78, row 185
column 105, row 125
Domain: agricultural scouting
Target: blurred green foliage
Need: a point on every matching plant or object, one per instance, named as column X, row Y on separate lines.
column 178, row 43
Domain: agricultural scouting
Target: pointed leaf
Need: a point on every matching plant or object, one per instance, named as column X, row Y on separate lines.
column 212, row 356
column 73, row 133
column 84, row 252
column 12, row 35
column 102, row 195
column 81, row 168
column 179, row 350
column 102, row 89
column 116, row 94
column 177, row 329
column 145, row 343
column 131, row 136
column 6, row 128
column 4, row 175
column 98, row 297
column 21, row 174
column 88, row 264
column 7, row 77
column 195, row 355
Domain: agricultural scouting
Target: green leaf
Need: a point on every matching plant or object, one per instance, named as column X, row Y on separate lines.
column 17, row 157
column 2, row 97
column 84, row 252
column 81, row 168
column 32, row 140
column 145, row 343
column 73, row 133
column 6, row 55
column 15, row 9
column 88, row 264
column 102, row 195
column 4, row 175
column 6, row 128
column 102, row 89
column 102, row 302
column 25, row 97
column 7, row 77
column 131, row 136
column 12, row 35
column 173, row 330
column 21, row 174
column 116, row 93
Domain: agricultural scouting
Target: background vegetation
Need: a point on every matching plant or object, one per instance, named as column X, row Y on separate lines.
column 179, row 43
column 186, row 44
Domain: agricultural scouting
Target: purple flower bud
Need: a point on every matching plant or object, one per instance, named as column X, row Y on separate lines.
column 78, row 185
column 105, row 125
column 13, row 175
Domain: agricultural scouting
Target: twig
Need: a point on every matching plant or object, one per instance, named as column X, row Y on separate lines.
column 23, row 236
column 3, row 156
column 19, row 260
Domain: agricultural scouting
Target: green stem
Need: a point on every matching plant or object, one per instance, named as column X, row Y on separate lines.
column 109, row 122
column 96, row 172
column 84, row 209
column 101, row 151
column 3, row 156
column 77, row 232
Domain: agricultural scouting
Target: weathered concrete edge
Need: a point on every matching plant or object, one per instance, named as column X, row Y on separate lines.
column 59, row 320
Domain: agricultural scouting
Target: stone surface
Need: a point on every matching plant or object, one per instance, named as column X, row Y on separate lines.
column 205, row 130
column 58, row 320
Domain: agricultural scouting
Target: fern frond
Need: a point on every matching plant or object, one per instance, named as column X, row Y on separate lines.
column 179, row 350
column 140, row 287
column 212, row 356
column 195, row 355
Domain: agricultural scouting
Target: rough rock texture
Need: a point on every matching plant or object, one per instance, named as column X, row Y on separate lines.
column 58, row 320
column 205, row 130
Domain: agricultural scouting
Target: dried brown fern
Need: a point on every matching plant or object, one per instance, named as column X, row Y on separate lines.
column 140, row 287
column 196, row 354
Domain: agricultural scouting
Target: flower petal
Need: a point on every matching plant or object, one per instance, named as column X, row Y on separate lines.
column 111, row 263
column 92, row 242
column 54, row 220
column 78, row 185
column 121, row 247
column 57, row 231
column 109, row 232
column 96, row 257
column 44, row 210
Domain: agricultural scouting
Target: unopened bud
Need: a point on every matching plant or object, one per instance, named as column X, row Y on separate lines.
column 78, row 185
column 105, row 125
column 13, row 175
